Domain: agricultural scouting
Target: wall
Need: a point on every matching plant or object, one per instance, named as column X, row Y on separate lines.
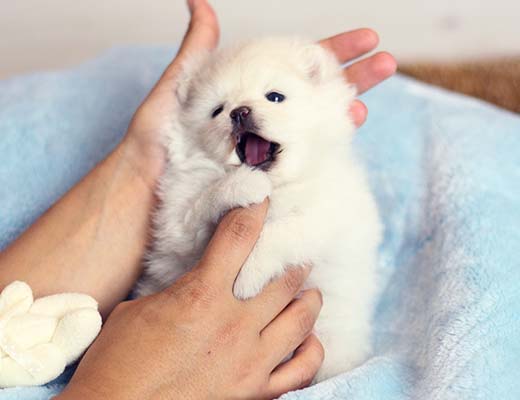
column 49, row 34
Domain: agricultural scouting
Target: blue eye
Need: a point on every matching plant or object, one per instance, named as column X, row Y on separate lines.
column 275, row 97
column 217, row 111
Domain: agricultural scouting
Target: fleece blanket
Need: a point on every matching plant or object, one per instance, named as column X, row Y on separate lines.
column 446, row 173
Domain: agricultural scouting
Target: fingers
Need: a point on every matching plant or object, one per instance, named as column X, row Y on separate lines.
column 363, row 74
column 203, row 34
column 358, row 112
column 371, row 71
column 349, row 45
column 231, row 244
column 290, row 328
column 203, row 30
column 275, row 296
column 299, row 371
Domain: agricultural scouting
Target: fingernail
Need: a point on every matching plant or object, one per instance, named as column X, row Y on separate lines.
column 259, row 209
column 307, row 266
column 260, row 205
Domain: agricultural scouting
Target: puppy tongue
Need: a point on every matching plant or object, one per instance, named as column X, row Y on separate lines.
column 256, row 150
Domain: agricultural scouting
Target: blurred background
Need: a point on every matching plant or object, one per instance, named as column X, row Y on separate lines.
column 51, row 34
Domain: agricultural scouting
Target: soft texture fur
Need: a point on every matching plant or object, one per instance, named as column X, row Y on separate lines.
column 321, row 210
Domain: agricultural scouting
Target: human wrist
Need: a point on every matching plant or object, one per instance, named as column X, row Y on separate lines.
column 146, row 159
column 77, row 391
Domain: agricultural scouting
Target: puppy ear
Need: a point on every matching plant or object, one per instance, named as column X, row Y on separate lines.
column 189, row 68
column 319, row 64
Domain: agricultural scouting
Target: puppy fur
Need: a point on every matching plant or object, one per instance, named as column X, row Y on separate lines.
column 321, row 210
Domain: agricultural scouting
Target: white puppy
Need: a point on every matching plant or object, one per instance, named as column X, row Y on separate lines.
column 270, row 118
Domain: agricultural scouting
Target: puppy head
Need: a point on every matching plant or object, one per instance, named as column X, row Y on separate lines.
column 276, row 104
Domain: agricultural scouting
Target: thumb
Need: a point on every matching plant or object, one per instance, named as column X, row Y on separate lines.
column 231, row 244
column 202, row 34
column 203, row 30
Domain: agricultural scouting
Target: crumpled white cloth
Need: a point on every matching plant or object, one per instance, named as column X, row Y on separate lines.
column 38, row 339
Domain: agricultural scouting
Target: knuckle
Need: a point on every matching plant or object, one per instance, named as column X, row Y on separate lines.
column 230, row 332
column 306, row 373
column 148, row 313
column 209, row 27
column 249, row 380
column 242, row 226
column 196, row 292
column 293, row 279
column 143, row 114
column 316, row 296
column 306, row 320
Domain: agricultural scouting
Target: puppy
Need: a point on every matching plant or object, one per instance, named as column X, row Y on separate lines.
column 270, row 118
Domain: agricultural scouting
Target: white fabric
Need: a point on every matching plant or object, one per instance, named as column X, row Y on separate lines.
column 38, row 339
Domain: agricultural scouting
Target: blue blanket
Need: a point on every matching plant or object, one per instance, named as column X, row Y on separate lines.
column 446, row 172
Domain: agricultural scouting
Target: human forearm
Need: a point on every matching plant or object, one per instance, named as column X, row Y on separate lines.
column 92, row 239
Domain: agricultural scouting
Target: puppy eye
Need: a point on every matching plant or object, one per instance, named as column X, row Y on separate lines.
column 275, row 97
column 217, row 111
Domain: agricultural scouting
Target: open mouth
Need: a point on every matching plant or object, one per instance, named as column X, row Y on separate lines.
column 255, row 150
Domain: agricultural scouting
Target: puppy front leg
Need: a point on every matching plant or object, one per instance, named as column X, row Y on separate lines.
column 275, row 250
column 240, row 188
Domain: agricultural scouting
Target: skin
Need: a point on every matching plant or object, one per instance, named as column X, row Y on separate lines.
column 217, row 346
column 92, row 240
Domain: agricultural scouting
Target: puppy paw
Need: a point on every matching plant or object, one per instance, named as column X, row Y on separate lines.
column 346, row 347
column 247, row 186
column 253, row 277
column 248, row 284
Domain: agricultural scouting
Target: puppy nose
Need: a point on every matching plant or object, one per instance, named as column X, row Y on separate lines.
column 240, row 114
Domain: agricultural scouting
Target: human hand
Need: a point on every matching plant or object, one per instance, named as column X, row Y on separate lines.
column 195, row 340
column 154, row 115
